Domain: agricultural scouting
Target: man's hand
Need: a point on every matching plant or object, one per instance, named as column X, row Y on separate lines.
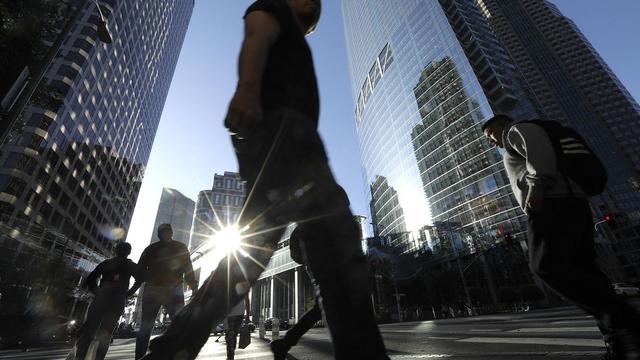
column 193, row 287
column 131, row 292
column 245, row 110
column 535, row 203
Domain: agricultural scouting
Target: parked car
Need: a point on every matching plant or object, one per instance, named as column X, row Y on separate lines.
column 626, row 289
column 284, row 324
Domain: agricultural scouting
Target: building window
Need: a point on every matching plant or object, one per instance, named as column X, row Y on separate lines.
column 216, row 199
column 228, row 183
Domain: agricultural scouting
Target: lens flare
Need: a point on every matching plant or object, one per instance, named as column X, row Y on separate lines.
column 228, row 239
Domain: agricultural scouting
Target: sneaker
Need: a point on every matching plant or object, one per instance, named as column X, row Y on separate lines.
column 279, row 348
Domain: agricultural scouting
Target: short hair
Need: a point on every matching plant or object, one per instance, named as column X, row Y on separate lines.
column 498, row 118
column 313, row 26
column 123, row 249
column 164, row 227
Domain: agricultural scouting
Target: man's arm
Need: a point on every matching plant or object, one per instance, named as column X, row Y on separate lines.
column 247, row 307
column 261, row 30
column 92, row 279
column 135, row 272
column 532, row 142
column 189, row 276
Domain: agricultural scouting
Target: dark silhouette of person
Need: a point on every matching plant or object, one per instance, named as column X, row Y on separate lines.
column 273, row 120
column 164, row 266
column 233, row 324
column 109, row 302
column 560, row 232
column 280, row 347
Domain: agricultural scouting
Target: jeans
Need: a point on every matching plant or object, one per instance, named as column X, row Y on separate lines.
column 101, row 321
column 153, row 297
column 562, row 254
column 288, row 180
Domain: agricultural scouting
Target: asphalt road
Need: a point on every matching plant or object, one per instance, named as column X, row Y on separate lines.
column 561, row 333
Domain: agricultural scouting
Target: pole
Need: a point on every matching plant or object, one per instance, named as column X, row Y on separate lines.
column 458, row 263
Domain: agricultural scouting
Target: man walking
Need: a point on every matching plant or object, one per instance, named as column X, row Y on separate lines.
column 560, row 231
column 234, row 323
column 109, row 301
column 164, row 266
column 273, row 118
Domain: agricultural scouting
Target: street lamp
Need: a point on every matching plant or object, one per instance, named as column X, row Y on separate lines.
column 10, row 119
column 103, row 31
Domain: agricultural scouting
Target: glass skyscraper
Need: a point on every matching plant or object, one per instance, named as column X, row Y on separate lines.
column 78, row 160
column 574, row 85
column 422, row 89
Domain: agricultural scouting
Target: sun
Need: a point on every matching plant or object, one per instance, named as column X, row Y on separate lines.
column 228, row 239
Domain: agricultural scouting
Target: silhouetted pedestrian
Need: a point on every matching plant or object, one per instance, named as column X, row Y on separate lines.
column 164, row 265
column 236, row 316
column 109, row 302
column 273, row 118
column 552, row 171
column 280, row 347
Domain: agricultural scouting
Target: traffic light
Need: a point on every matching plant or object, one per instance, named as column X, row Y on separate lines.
column 610, row 219
column 508, row 239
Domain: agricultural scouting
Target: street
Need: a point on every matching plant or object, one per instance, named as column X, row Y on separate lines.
column 552, row 334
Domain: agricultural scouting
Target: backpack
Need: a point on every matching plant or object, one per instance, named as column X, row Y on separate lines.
column 574, row 158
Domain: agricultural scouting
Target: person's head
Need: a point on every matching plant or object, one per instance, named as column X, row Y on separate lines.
column 307, row 13
column 123, row 249
column 165, row 232
column 494, row 129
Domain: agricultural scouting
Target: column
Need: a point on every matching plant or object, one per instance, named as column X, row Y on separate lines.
column 296, row 298
column 271, row 297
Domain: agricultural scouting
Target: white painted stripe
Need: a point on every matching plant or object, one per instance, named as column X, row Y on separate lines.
column 568, row 139
column 576, row 152
column 573, row 146
column 238, row 356
column 442, row 338
column 573, row 322
column 430, row 356
column 536, row 341
column 559, row 329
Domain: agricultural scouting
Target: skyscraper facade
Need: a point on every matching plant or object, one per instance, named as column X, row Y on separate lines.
column 78, row 160
column 572, row 84
column 175, row 209
column 71, row 172
column 421, row 95
column 217, row 208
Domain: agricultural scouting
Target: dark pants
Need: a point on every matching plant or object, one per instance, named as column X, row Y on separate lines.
column 562, row 254
column 153, row 297
column 102, row 318
column 303, row 325
column 231, row 334
column 288, row 180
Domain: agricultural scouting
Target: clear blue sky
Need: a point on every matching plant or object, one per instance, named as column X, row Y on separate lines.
column 191, row 143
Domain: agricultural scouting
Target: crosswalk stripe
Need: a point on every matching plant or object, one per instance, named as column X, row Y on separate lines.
column 237, row 356
column 573, row 322
column 557, row 329
column 535, row 341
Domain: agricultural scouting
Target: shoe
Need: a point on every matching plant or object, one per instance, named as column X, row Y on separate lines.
column 279, row 348
column 610, row 354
